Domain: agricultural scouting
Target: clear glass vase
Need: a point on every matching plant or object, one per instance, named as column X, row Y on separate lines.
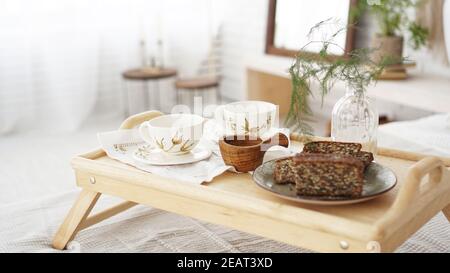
column 355, row 119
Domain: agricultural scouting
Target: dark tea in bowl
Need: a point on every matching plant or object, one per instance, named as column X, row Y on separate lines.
column 245, row 153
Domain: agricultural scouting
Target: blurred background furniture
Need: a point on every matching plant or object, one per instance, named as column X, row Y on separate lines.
column 422, row 94
column 197, row 85
column 208, row 74
column 146, row 74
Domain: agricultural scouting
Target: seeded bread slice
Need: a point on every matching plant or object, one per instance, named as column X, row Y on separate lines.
column 328, row 175
column 344, row 148
column 282, row 172
column 365, row 157
column 332, row 147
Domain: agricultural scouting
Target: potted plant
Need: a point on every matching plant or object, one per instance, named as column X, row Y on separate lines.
column 355, row 117
column 393, row 18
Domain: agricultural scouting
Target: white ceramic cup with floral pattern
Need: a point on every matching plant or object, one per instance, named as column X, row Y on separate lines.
column 173, row 134
column 254, row 118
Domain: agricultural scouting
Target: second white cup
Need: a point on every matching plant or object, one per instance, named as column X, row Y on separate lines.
column 254, row 118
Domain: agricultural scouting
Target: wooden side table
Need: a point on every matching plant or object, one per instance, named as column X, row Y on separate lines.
column 233, row 200
column 193, row 85
column 146, row 74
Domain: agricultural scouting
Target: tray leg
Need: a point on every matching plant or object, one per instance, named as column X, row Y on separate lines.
column 446, row 212
column 77, row 215
column 107, row 213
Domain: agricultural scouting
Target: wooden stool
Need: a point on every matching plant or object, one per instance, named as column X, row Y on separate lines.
column 198, row 84
column 146, row 74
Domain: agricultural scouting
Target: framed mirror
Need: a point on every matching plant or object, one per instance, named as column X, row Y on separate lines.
column 289, row 22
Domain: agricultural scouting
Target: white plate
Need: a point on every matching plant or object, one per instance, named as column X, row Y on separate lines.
column 147, row 155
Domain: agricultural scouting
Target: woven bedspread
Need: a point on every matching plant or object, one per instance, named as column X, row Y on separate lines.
column 30, row 226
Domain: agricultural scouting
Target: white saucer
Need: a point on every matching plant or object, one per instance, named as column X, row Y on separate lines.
column 147, row 155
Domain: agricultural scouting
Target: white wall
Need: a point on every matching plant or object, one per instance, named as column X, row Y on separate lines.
column 244, row 32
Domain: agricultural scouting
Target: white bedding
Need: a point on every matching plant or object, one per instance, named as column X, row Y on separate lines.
column 38, row 188
column 429, row 135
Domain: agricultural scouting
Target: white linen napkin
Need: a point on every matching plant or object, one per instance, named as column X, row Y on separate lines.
column 121, row 145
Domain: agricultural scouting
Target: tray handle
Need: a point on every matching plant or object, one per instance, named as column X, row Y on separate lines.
column 137, row 119
column 411, row 189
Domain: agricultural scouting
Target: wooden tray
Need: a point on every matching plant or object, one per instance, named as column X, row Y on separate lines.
column 233, row 200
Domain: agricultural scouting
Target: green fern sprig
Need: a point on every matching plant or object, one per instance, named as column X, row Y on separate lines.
column 357, row 71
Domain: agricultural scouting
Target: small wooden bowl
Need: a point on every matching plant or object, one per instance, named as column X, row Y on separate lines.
column 245, row 153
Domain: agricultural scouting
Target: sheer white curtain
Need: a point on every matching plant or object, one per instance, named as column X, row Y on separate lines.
column 57, row 56
column 61, row 60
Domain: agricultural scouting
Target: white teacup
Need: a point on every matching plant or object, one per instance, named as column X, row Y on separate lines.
column 247, row 117
column 173, row 134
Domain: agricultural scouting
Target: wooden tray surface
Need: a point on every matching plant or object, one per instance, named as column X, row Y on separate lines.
column 234, row 200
